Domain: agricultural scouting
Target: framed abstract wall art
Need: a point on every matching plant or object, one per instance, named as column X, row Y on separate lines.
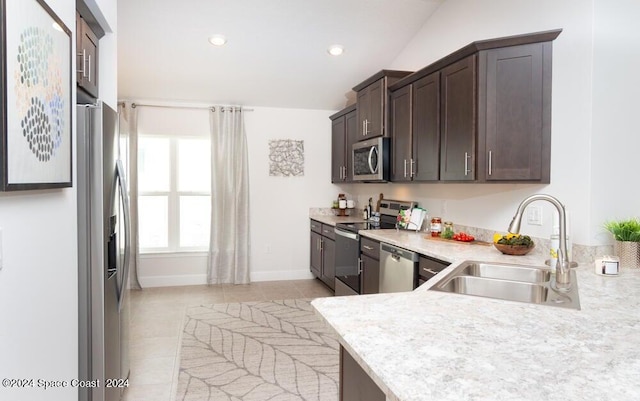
column 35, row 97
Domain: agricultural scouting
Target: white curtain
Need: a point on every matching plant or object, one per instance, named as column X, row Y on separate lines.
column 229, row 246
column 128, row 125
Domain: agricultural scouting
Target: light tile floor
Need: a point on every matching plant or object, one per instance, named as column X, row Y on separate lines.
column 156, row 323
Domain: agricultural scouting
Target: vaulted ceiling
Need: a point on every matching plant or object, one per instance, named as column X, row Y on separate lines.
column 276, row 54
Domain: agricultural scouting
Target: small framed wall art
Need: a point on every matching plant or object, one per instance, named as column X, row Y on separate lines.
column 35, row 97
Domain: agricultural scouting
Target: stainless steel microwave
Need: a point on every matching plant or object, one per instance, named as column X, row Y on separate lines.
column 371, row 160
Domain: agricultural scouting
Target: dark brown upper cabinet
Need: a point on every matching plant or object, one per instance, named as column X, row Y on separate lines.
column 87, row 57
column 494, row 109
column 372, row 105
column 458, row 133
column 415, row 127
column 515, row 113
column 343, row 135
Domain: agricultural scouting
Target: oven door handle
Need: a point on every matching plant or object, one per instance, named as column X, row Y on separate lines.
column 346, row 234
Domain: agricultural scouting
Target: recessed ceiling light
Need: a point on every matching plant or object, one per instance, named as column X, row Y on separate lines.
column 335, row 50
column 217, row 40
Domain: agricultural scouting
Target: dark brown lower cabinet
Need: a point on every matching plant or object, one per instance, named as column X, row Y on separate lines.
column 355, row 383
column 323, row 253
column 370, row 263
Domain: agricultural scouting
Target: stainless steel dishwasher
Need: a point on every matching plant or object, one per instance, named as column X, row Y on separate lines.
column 397, row 269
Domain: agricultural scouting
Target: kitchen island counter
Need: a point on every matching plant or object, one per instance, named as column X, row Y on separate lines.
column 431, row 345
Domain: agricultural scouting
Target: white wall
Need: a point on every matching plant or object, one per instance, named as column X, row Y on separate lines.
column 108, row 56
column 616, row 143
column 38, row 282
column 279, row 205
column 459, row 22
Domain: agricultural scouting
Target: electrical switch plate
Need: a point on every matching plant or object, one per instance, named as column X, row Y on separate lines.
column 534, row 215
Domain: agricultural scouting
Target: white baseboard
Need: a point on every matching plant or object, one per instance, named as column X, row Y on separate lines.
column 281, row 275
column 201, row 279
column 171, row 281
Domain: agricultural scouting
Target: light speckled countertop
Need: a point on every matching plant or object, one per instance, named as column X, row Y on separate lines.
column 429, row 345
column 333, row 219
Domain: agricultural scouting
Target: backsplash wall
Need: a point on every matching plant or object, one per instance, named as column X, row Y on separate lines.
column 479, row 209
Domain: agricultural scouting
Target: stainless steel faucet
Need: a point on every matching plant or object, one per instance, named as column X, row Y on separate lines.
column 563, row 272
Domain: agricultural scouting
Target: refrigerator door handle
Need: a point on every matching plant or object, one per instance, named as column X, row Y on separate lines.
column 120, row 178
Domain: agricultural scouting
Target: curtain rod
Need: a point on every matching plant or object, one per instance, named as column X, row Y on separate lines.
column 212, row 108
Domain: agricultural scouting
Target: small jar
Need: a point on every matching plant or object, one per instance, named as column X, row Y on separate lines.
column 436, row 226
column 448, row 228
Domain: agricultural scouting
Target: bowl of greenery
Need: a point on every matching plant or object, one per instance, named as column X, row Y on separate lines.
column 514, row 244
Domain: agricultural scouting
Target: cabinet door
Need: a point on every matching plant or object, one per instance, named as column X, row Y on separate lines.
column 87, row 60
column 458, row 132
column 400, row 121
column 338, row 165
column 355, row 384
column 370, row 275
column 363, row 101
column 375, row 119
column 370, row 102
column 316, row 254
column 329, row 262
column 515, row 138
column 426, row 128
column 351, row 138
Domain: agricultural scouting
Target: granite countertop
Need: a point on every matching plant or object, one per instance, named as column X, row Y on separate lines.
column 429, row 345
column 333, row 219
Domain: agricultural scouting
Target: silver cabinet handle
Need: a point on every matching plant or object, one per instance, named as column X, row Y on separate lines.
column 321, row 243
column 84, row 63
column 430, row 271
column 363, row 128
column 466, row 163
column 490, row 163
column 89, row 72
column 366, row 126
column 344, row 174
column 359, row 266
column 412, row 171
column 405, row 168
column 367, row 247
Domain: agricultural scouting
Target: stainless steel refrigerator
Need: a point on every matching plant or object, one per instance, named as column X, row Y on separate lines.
column 103, row 255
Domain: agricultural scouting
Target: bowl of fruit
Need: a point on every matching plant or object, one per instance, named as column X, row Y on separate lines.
column 513, row 244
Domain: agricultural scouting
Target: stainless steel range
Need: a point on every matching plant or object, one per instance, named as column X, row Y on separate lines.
column 347, row 240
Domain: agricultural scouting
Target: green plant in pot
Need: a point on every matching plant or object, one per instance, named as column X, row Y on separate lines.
column 627, row 245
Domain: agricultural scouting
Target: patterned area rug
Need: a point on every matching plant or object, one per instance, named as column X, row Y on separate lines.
column 254, row 351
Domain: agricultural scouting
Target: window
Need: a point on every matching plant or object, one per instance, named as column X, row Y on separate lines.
column 174, row 193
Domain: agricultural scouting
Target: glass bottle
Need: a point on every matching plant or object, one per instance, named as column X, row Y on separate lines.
column 436, row 226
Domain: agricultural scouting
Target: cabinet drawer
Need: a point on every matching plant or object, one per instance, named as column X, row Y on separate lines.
column 328, row 232
column 428, row 267
column 316, row 226
column 370, row 247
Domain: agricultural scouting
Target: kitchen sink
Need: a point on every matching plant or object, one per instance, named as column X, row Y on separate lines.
column 506, row 272
column 509, row 282
column 501, row 289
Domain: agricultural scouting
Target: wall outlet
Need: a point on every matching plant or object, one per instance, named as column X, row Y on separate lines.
column 534, row 215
